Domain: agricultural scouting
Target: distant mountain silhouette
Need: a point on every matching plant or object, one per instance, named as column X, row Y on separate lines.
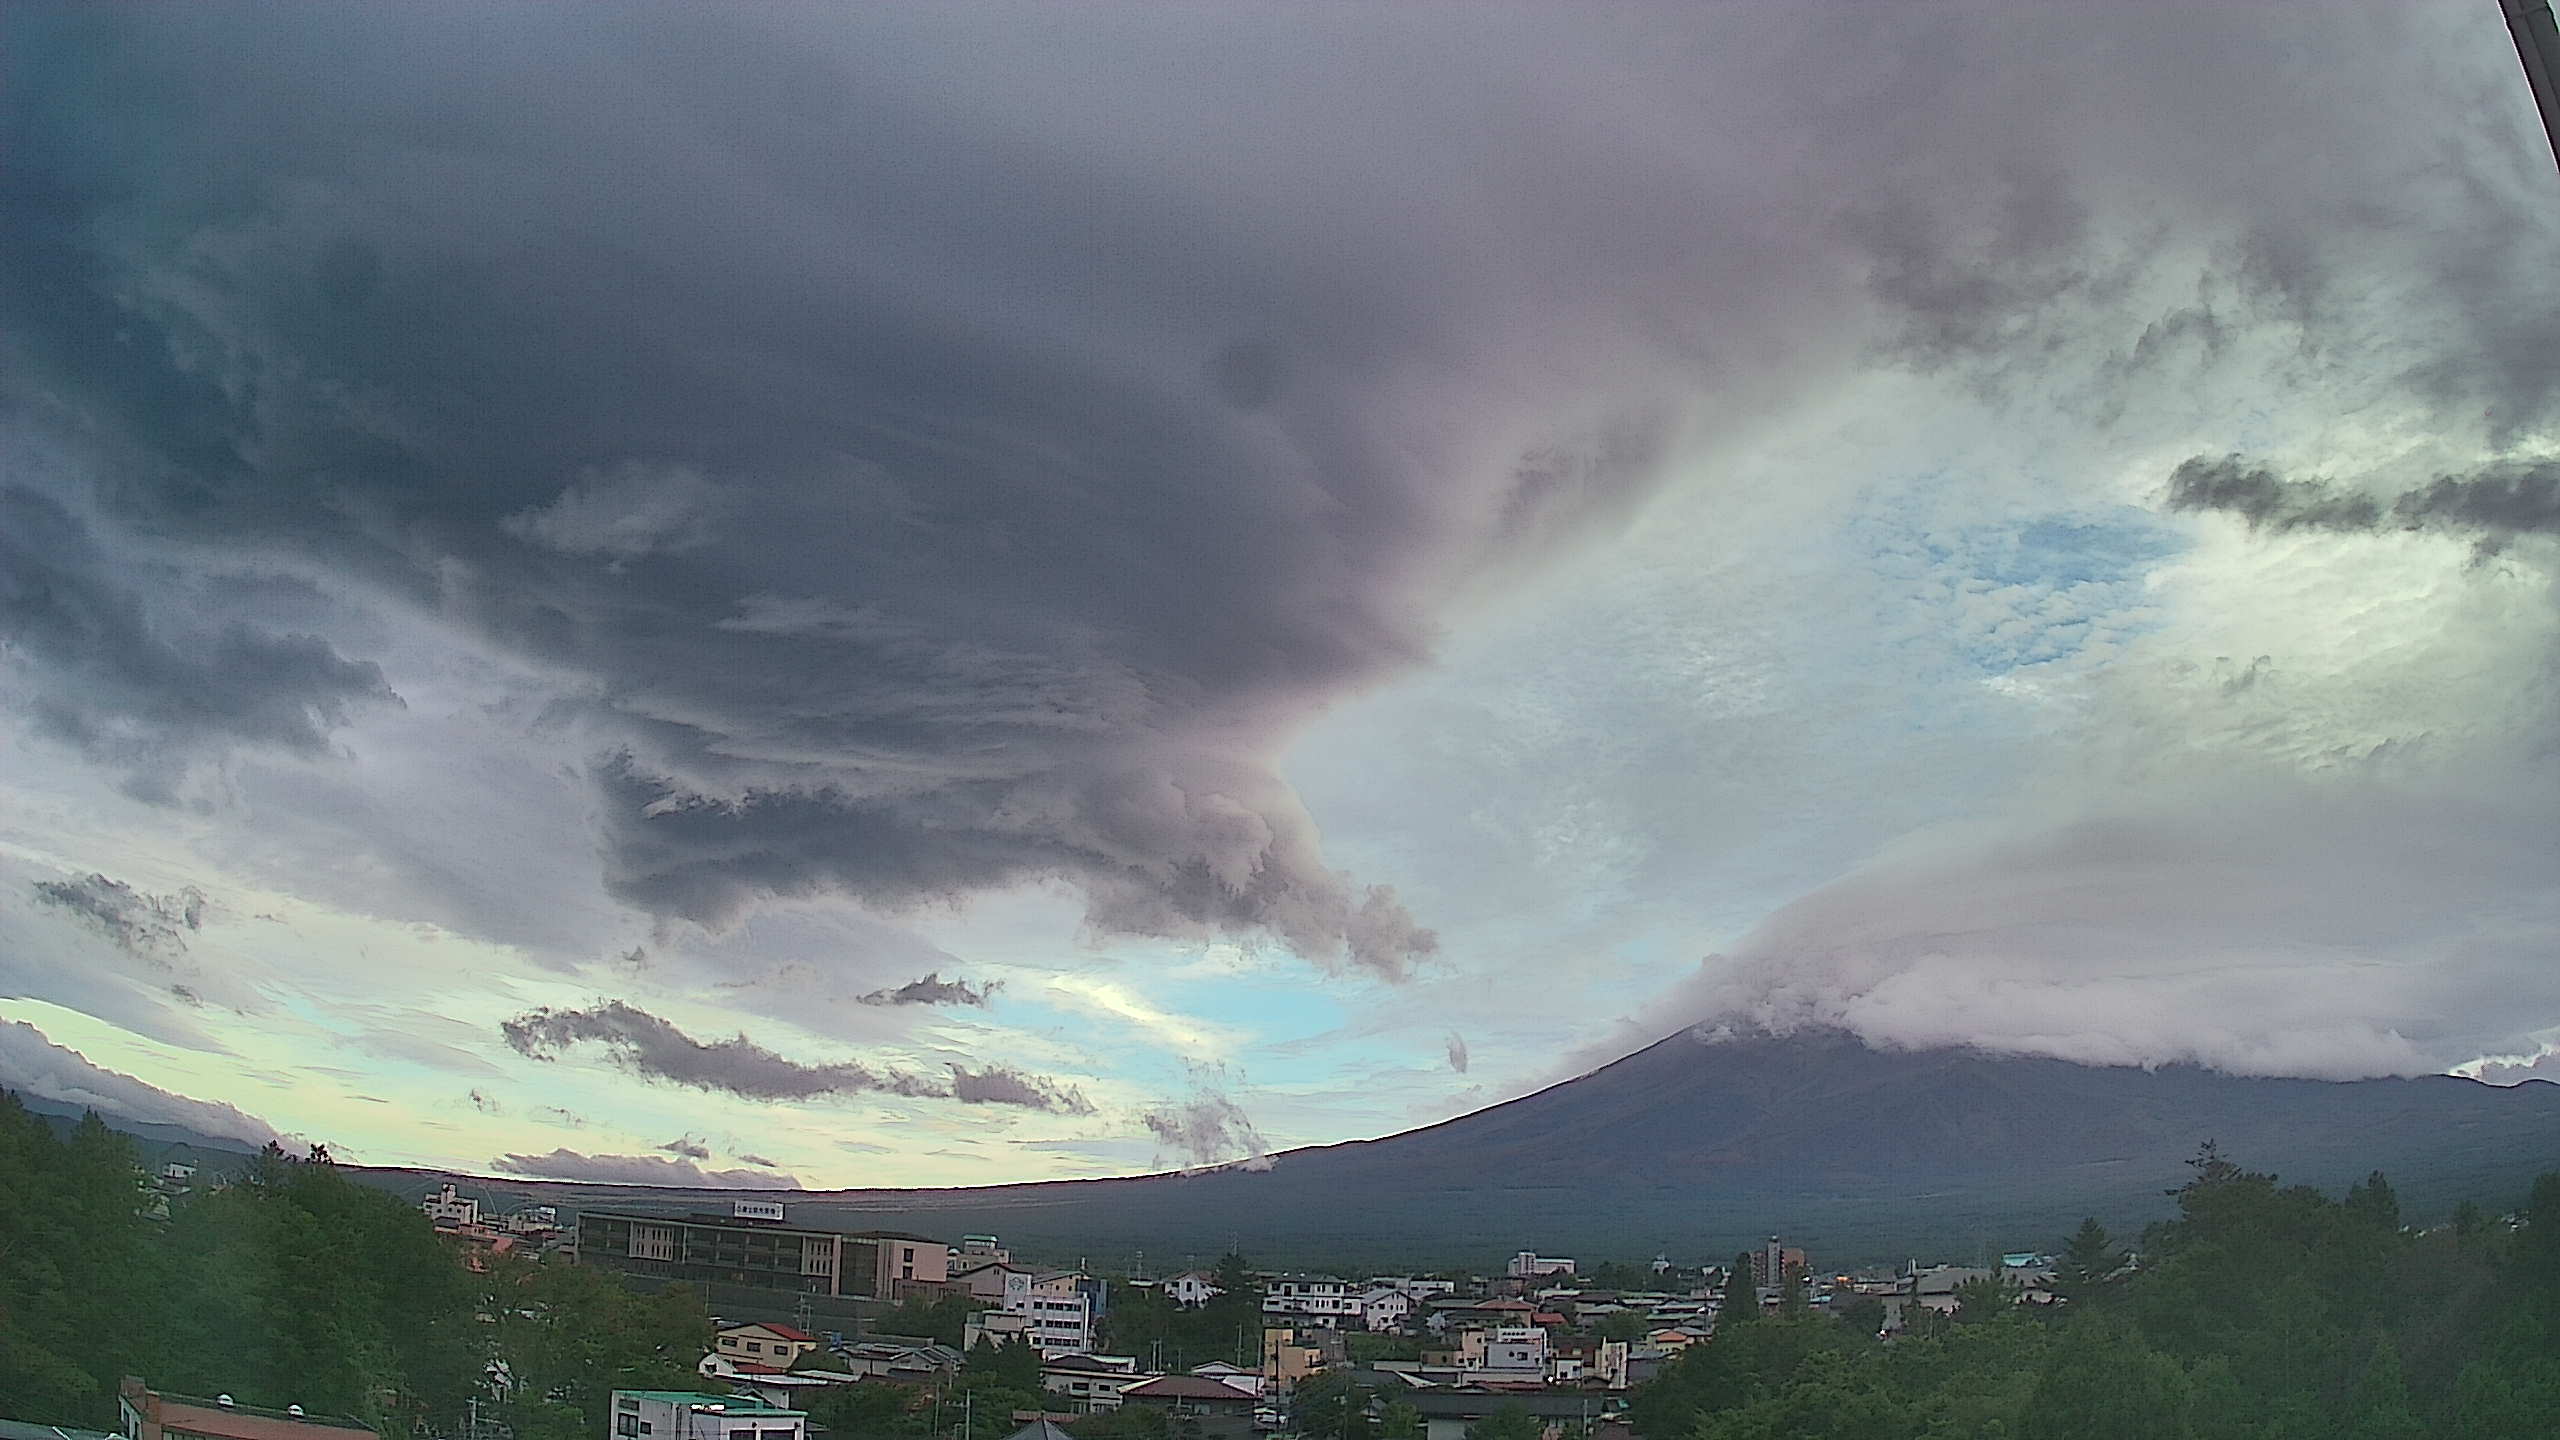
column 1694, row 1147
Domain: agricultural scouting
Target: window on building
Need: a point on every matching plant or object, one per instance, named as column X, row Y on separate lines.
column 626, row 1425
column 653, row 1242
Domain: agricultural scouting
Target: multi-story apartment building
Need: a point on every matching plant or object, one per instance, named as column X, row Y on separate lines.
column 752, row 1246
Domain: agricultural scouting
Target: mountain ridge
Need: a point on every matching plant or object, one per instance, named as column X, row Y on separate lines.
column 1694, row 1146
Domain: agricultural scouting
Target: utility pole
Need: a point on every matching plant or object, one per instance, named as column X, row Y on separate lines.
column 2537, row 39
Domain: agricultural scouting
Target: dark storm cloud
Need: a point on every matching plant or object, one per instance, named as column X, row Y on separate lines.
column 923, row 483
column 2494, row 505
column 144, row 693
column 635, row 1170
column 934, row 990
column 650, row 1046
column 139, row 923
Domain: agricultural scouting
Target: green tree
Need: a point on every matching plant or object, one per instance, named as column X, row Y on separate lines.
column 1013, row 1364
column 1330, row 1407
column 2467, row 1219
column 2373, row 1201
column 1510, row 1420
column 2105, row 1384
column 1628, row 1325
column 1984, row 1297
column 1400, row 1422
column 940, row 1318
column 2088, row 1257
column 1741, row 1299
column 2378, row 1408
column 864, row 1409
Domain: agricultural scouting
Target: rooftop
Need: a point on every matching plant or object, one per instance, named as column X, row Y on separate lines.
column 726, row 1404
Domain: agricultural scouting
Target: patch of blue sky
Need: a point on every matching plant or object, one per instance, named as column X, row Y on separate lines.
column 2020, row 592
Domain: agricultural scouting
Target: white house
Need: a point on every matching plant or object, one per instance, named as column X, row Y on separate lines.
column 1316, row 1295
column 1090, row 1383
column 687, row 1415
column 1192, row 1289
column 447, row 1210
column 1383, row 1307
column 1529, row 1265
column 1504, row 1353
column 532, row 1220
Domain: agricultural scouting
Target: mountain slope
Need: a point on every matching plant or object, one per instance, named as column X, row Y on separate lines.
column 1694, row 1147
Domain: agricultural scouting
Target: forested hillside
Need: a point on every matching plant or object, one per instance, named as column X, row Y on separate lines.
column 296, row 1286
column 2262, row 1311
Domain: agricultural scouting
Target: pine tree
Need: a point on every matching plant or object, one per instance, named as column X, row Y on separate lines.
column 2374, row 1201
column 2088, row 1258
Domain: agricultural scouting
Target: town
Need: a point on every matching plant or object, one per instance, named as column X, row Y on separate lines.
column 803, row 1314
column 231, row 1296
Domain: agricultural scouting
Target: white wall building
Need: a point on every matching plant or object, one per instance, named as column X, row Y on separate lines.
column 687, row 1415
column 1192, row 1288
column 448, row 1210
column 1385, row 1308
column 1316, row 1295
column 1529, row 1265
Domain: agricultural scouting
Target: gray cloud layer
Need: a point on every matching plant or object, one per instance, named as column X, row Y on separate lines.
column 651, row 1046
column 2496, row 505
column 140, row 923
column 1208, row 1127
column 636, row 1170
column 932, row 989
column 34, row 1064
column 146, row 693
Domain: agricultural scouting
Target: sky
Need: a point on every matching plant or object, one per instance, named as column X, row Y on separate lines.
column 914, row 595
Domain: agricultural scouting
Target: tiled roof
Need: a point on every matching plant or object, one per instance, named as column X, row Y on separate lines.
column 1185, row 1387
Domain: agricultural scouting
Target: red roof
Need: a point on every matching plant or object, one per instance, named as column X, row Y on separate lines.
column 791, row 1332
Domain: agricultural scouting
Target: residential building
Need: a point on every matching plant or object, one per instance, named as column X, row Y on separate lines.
column 773, row 1347
column 731, row 1250
column 1772, row 1261
column 1192, row 1288
column 750, row 1247
column 1384, row 1308
column 447, row 1210
column 1447, row 1411
column 995, row 1327
column 1220, row 1411
column 1233, row 1376
column 1320, row 1296
column 1089, row 1383
column 997, row 1282
column 532, row 1220
column 692, row 1415
column 1291, row 1353
column 891, row 1265
column 906, row 1362
column 976, row 1250
column 1510, row 1352
column 1063, row 1307
column 146, row 1414
column 1528, row 1265
column 1421, row 1289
